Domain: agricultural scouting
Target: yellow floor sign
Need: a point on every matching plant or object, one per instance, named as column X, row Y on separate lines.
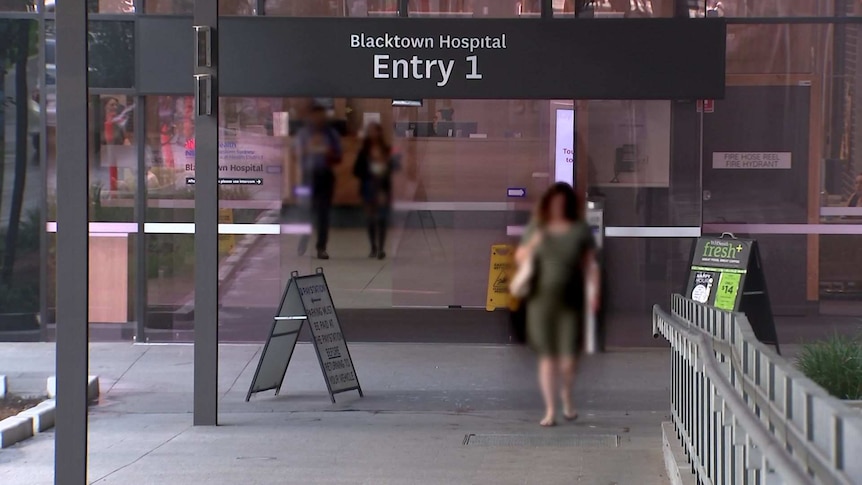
column 500, row 273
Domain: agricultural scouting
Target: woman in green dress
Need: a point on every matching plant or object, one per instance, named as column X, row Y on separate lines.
column 561, row 247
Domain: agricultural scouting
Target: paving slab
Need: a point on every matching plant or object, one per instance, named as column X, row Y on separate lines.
column 421, row 401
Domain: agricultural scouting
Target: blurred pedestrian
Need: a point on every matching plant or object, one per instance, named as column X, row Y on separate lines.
column 559, row 247
column 374, row 167
column 319, row 151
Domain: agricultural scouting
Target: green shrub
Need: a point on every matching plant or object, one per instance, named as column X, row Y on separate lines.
column 835, row 364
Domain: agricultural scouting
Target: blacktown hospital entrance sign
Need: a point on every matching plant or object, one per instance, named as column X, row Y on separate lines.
column 473, row 58
column 415, row 67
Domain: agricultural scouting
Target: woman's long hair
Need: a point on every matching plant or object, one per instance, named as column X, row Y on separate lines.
column 572, row 209
column 380, row 139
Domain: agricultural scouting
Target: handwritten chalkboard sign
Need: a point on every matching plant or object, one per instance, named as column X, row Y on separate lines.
column 306, row 299
column 727, row 273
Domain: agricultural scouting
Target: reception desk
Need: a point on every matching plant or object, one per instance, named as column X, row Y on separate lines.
column 457, row 169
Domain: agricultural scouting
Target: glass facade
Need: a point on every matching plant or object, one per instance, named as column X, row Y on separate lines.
column 665, row 171
column 21, row 176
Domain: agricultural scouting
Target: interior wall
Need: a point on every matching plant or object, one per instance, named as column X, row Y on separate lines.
column 645, row 124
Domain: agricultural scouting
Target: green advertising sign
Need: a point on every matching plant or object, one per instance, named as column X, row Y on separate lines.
column 726, row 273
column 728, row 291
column 718, row 270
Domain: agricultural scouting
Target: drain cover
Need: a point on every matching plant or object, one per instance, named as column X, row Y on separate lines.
column 574, row 440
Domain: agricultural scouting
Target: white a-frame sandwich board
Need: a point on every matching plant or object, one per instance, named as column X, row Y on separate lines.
column 306, row 299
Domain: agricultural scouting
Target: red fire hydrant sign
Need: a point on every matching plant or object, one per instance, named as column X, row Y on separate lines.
column 706, row 106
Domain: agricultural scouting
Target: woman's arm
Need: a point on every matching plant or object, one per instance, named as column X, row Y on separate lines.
column 528, row 247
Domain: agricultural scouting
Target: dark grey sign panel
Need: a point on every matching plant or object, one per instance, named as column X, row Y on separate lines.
column 306, row 298
column 165, row 55
column 281, row 342
column 478, row 59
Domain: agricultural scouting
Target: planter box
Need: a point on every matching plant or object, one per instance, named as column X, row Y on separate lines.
column 92, row 388
column 15, row 429
column 42, row 415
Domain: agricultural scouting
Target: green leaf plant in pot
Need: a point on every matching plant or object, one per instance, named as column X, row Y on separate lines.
column 835, row 364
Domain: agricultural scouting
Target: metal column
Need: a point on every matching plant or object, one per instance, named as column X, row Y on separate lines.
column 206, row 226
column 141, row 219
column 70, row 450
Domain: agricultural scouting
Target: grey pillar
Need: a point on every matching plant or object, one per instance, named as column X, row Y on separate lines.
column 70, row 451
column 141, row 218
column 206, row 234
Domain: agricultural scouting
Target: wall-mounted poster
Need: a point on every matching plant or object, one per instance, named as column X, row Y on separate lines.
column 564, row 146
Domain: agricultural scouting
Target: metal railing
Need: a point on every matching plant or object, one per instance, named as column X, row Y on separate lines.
column 744, row 414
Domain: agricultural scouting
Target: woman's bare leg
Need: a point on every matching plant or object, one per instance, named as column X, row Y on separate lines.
column 568, row 366
column 547, row 381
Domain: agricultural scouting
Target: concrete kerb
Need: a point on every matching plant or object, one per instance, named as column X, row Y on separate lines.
column 41, row 417
column 14, row 429
column 679, row 471
column 92, row 388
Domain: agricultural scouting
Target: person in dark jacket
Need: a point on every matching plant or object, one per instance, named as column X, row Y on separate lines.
column 319, row 151
column 374, row 167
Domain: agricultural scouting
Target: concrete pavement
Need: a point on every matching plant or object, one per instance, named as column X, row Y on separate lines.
column 421, row 402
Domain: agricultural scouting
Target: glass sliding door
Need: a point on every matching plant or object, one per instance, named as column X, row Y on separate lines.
column 455, row 164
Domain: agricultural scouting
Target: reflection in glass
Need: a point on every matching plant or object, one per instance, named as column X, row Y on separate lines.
column 780, row 8
column 177, row 7
column 624, row 8
column 474, row 9
column 111, row 57
column 112, row 167
column 20, row 174
column 341, row 8
column 170, row 156
column 111, row 54
column 113, row 182
column 99, row 6
column 18, row 6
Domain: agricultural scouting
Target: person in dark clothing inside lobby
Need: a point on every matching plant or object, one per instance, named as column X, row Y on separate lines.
column 374, row 167
column 319, row 151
